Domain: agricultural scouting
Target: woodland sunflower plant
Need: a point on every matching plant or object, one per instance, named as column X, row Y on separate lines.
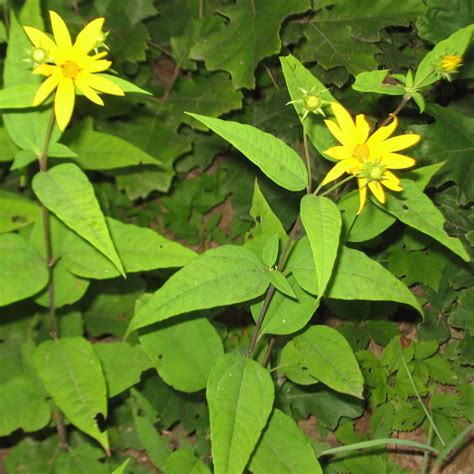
column 112, row 332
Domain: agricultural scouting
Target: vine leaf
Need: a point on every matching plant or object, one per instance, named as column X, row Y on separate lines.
column 341, row 36
column 66, row 191
column 218, row 277
column 250, row 36
column 240, row 394
column 71, row 373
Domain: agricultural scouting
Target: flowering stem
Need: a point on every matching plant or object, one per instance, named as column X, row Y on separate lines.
column 271, row 290
column 308, row 161
column 43, row 166
column 401, row 105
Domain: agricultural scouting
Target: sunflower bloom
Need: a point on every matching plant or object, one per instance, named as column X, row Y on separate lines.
column 368, row 157
column 69, row 66
column 450, row 63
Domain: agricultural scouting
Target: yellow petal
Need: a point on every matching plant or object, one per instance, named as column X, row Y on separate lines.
column 345, row 122
column 383, row 133
column 377, row 191
column 88, row 37
column 362, row 182
column 399, row 143
column 101, row 84
column 88, row 92
column 390, row 181
column 46, row 88
column 98, row 66
column 337, row 133
column 46, row 69
column 362, row 129
column 40, row 39
column 60, row 31
column 64, row 102
column 344, row 166
column 339, row 152
column 395, row 161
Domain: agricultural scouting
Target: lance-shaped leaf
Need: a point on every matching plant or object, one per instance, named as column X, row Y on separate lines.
column 284, row 448
column 184, row 460
column 322, row 222
column 356, row 277
column 22, row 270
column 273, row 156
column 22, row 405
column 219, row 277
column 374, row 81
column 17, row 97
column 183, row 352
column 327, row 357
column 66, row 191
column 140, row 249
column 415, row 208
column 72, row 375
column 240, row 394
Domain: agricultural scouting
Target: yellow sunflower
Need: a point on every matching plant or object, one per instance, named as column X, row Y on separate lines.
column 367, row 157
column 68, row 66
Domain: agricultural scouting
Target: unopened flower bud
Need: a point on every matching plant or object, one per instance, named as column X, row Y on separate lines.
column 39, row 55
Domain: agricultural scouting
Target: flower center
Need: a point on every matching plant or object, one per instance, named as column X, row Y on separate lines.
column 70, row 70
column 361, row 152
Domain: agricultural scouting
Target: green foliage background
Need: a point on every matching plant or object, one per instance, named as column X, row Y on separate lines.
column 170, row 189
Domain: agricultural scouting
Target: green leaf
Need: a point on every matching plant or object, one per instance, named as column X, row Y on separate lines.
column 356, row 277
column 111, row 304
column 274, row 157
column 322, row 222
column 66, row 191
column 270, row 250
column 284, row 448
column 139, row 249
column 449, row 139
column 440, row 19
column 184, row 461
column 22, row 271
column 328, row 357
column 240, row 394
column 219, row 277
column 80, row 459
column 286, row 315
column 122, row 364
column 17, row 97
column 72, row 375
column 367, row 225
column 374, row 81
column 297, row 77
column 22, row 405
column 16, row 211
column 207, row 95
column 250, row 35
column 122, row 468
column 414, row 208
column 333, row 33
column 139, row 10
column 102, row 151
column 183, row 352
column 279, row 281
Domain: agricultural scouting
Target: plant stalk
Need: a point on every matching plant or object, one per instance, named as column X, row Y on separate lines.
column 53, row 320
